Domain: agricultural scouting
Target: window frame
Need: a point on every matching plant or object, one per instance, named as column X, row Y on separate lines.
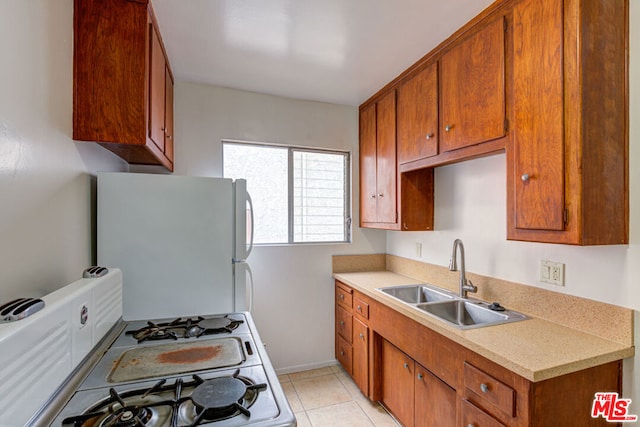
column 291, row 149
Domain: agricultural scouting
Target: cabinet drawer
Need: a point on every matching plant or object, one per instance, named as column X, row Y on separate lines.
column 344, row 323
column 343, row 296
column 361, row 308
column 487, row 392
column 344, row 354
column 476, row 417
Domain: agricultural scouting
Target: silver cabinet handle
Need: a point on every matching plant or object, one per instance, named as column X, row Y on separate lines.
column 342, row 323
column 406, row 366
column 168, row 136
column 419, row 376
column 484, row 388
column 380, row 195
column 525, row 177
column 430, row 135
column 342, row 353
column 341, row 297
column 471, row 425
column 362, row 336
column 447, row 128
column 372, row 196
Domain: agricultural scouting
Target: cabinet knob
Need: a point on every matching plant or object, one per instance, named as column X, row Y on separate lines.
column 429, row 136
column 342, row 353
column 380, row 195
column 471, row 425
column 341, row 297
column 163, row 129
column 420, row 376
column 372, row 196
column 406, row 366
column 362, row 336
column 484, row 388
column 359, row 308
column 342, row 323
column 168, row 136
column 447, row 128
column 525, row 177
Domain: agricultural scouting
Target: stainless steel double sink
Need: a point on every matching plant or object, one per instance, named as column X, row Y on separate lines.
column 463, row 313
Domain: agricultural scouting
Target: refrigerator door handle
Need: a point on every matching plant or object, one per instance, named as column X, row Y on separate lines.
column 251, row 227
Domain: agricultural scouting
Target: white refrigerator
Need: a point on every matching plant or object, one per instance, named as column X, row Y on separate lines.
column 181, row 243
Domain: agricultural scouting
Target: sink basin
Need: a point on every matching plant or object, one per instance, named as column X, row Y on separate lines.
column 463, row 313
column 467, row 314
column 416, row 294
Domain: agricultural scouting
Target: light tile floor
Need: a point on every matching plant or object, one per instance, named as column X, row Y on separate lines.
column 328, row 397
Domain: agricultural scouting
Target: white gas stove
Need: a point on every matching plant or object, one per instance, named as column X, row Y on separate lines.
column 203, row 370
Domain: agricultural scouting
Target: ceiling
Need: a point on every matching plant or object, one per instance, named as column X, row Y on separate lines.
column 338, row 51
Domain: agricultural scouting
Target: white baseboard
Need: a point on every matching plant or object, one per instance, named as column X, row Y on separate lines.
column 306, row 367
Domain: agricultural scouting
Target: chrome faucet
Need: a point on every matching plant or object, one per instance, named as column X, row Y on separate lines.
column 465, row 285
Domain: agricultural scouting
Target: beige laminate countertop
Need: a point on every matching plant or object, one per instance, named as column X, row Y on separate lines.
column 535, row 349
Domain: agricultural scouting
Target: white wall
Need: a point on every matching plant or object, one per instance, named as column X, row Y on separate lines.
column 45, row 178
column 293, row 286
column 471, row 205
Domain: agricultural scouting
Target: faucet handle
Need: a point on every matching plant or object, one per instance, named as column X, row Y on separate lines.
column 471, row 287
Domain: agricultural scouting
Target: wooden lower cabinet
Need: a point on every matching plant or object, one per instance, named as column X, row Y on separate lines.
column 426, row 379
column 414, row 395
column 435, row 401
column 361, row 355
column 397, row 383
column 352, row 336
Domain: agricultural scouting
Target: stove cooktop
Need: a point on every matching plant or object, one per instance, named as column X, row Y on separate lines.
column 201, row 370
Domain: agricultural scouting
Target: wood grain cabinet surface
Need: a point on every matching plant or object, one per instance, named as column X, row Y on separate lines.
column 427, row 379
column 568, row 158
column 418, row 116
column 123, row 85
column 545, row 81
column 473, row 98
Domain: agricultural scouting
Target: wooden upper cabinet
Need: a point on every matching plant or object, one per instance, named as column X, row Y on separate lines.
column 567, row 160
column 378, row 162
column 538, row 110
column 418, row 116
column 121, row 97
column 473, row 92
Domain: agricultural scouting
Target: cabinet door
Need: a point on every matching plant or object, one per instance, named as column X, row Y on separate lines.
column 538, row 175
column 397, row 383
column 476, row 417
column 368, row 168
column 418, row 116
column 361, row 355
column 435, row 401
column 168, row 115
column 386, row 159
column 473, row 89
column 157, row 87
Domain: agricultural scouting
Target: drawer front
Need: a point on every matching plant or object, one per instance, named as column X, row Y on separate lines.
column 344, row 354
column 361, row 308
column 344, row 296
column 487, row 392
column 476, row 417
column 344, row 323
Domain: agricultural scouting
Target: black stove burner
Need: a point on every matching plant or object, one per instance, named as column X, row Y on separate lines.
column 129, row 417
column 187, row 328
column 205, row 401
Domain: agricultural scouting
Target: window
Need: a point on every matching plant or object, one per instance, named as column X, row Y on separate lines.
column 300, row 195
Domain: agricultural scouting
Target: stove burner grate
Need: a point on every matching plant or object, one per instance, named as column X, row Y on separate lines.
column 209, row 401
column 185, row 328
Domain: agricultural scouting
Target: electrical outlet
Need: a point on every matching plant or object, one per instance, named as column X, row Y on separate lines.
column 552, row 272
column 419, row 249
